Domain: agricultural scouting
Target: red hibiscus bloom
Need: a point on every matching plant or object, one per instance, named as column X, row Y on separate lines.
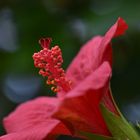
column 80, row 91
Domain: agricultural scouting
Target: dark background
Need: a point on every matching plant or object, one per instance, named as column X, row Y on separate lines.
column 70, row 23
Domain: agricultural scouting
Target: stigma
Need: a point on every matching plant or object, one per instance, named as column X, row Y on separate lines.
column 49, row 61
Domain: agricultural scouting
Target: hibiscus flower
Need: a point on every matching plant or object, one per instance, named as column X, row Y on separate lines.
column 80, row 91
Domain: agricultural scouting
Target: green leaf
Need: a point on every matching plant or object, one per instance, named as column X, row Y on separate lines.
column 138, row 124
column 118, row 126
column 91, row 136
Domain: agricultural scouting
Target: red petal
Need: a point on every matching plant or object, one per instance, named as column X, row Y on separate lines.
column 37, row 133
column 80, row 107
column 117, row 29
column 109, row 103
column 93, row 53
column 32, row 120
column 85, row 62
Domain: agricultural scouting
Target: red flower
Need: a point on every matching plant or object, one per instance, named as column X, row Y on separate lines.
column 80, row 91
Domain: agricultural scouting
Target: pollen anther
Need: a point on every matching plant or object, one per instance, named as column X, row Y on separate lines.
column 50, row 63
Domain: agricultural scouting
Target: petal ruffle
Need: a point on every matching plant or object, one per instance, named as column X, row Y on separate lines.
column 85, row 61
column 93, row 53
column 80, row 107
column 41, row 132
column 117, row 29
column 31, row 121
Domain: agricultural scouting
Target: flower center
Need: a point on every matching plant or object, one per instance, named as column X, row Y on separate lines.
column 50, row 63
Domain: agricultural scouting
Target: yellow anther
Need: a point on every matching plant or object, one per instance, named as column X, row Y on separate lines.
column 48, row 82
column 55, row 90
column 52, row 88
column 52, row 82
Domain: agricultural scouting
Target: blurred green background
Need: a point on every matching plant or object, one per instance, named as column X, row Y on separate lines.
column 70, row 23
